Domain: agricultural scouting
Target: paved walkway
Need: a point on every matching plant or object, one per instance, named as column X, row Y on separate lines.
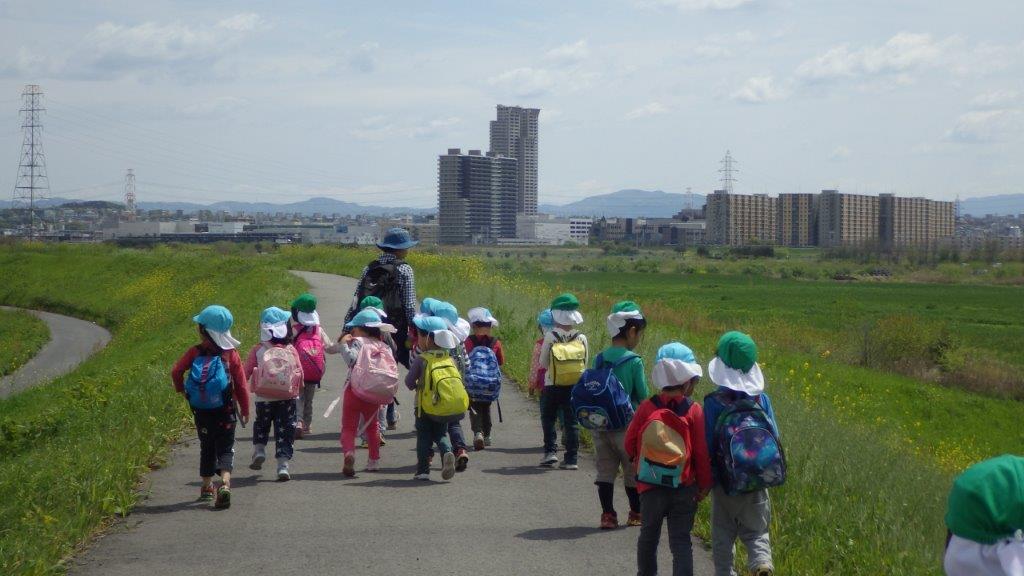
column 72, row 341
column 504, row 515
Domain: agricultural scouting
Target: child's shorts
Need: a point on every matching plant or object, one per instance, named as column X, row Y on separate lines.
column 610, row 455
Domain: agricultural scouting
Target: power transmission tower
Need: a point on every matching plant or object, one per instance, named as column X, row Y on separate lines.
column 689, row 198
column 32, row 184
column 727, row 170
column 129, row 194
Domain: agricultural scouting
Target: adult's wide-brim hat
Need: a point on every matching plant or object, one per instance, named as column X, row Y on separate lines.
column 397, row 239
column 735, row 365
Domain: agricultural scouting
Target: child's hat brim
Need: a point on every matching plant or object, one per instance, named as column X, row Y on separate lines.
column 750, row 382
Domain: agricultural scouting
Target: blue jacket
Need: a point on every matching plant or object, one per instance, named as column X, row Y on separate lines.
column 713, row 408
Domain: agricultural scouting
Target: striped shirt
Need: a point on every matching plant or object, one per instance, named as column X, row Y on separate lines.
column 406, row 287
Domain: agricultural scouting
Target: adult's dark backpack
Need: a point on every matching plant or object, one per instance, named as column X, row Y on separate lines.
column 382, row 281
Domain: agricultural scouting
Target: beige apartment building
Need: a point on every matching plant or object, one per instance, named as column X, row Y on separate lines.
column 740, row 219
column 847, row 219
column 914, row 221
column 797, row 220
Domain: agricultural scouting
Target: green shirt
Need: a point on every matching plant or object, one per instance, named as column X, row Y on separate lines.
column 630, row 374
column 987, row 500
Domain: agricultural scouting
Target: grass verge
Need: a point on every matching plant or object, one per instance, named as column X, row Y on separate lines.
column 22, row 335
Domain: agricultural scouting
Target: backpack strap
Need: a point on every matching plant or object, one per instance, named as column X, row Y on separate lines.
column 685, row 405
column 625, row 358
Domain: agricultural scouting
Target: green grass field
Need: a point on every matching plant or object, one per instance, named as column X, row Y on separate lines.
column 871, row 453
column 21, row 336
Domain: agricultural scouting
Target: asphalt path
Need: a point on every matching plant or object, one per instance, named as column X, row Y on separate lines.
column 72, row 341
column 504, row 515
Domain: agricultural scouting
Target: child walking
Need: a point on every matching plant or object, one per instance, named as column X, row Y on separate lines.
column 666, row 441
column 440, row 395
column 740, row 504
column 210, row 375
column 565, row 354
column 536, row 379
column 388, row 415
column 275, row 377
column 460, row 329
column 311, row 342
column 483, row 380
column 626, row 325
column 372, row 383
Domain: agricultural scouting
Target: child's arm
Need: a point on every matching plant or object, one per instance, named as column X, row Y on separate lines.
column 640, row 390
column 180, row 367
column 415, row 371
column 701, row 460
column 499, row 352
column 251, row 361
column 634, row 430
column 238, row 383
column 710, row 413
column 350, row 350
column 766, row 403
column 586, row 346
column 545, row 351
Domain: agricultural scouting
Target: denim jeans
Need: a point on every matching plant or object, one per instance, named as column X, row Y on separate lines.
column 428, row 433
column 679, row 507
column 556, row 401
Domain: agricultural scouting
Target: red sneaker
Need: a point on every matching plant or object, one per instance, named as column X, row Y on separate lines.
column 634, row 519
column 609, row 521
column 461, row 460
column 349, row 469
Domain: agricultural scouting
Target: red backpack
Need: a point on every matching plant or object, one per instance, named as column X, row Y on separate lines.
column 311, row 353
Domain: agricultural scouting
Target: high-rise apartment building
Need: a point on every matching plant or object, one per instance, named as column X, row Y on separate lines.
column 847, row 219
column 796, row 220
column 514, row 135
column 740, row 219
column 477, row 197
column 913, row 221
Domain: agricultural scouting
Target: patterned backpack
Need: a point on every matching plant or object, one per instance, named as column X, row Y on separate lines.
column 311, row 353
column 278, row 376
column 483, row 378
column 749, row 453
column 374, row 376
column 599, row 400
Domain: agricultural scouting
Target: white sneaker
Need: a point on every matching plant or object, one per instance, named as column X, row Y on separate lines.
column 373, row 465
column 567, row 466
column 259, row 456
column 282, row 471
column 448, row 466
column 550, row 459
column 424, row 476
column 487, row 440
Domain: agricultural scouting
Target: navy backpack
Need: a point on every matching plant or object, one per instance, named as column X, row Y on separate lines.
column 599, row 400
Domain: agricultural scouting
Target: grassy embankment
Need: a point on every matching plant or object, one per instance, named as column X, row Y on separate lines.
column 72, row 451
column 21, row 336
column 871, row 453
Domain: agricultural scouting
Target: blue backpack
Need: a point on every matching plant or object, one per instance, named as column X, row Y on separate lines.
column 749, row 453
column 599, row 400
column 207, row 380
column 483, row 376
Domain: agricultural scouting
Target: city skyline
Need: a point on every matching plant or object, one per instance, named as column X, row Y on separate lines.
column 262, row 103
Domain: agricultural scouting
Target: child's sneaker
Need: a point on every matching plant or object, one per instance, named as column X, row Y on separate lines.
column 447, row 466
column 349, row 468
column 763, row 570
column 422, row 476
column 299, row 432
column 207, row 493
column 487, row 440
column 634, row 519
column 373, row 465
column 382, row 441
column 282, row 471
column 461, row 460
column 569, row 466
column 478, row 441
column 223, row 498
column 363, row 444
column 259, row 456
column 550, row 459
column 609, row 521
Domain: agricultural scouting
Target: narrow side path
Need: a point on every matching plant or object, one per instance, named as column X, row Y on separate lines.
column 72, row 341
column 503, row 516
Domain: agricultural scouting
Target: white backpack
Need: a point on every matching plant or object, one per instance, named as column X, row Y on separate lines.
column 374, row 376
column 278, row 373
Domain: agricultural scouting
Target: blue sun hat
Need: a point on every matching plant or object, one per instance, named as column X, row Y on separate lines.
column 675, row 365
column 273, row 324
column 368, row 318
column 397, row 239
column 438, row 328
column 545, row 320
column 217, row 320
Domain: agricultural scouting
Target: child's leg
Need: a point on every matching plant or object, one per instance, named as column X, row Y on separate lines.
column 458, row 442
column 261, row 424
column 475, row 417
column 224, row 446
column 548, row 417
column 308, row 391
column 572, row 433
column 606, row 460
column 723, row 532
column 371, row 411
column 391, row 416
column 207, row 452
column 382, row 420
column 350, row 418
column 654, row 505
column 485, row 418
column 424, row 440
column 754, row 520
column 628, row 475
column 440, row 432
column 681, row 513
column 284, row 429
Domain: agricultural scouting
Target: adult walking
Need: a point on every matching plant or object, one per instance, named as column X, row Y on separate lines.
column 391, row 279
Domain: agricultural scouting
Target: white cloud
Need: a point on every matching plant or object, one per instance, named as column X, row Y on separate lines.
column 839, row 153
column 215, row 107
column 983, row 126
column 364, row 58
column 758, row 90
column 996, row 99
column 903, row 53
column 242, row 22
column 525, row 82
column 568, row 54
column 433, row 128
column 24, row 62
column 693, row 5
column 647, row 110
column 381, row 128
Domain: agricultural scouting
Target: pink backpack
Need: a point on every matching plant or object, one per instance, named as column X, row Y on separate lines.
column 374, row 376
column 311, row 353
column 278, row 376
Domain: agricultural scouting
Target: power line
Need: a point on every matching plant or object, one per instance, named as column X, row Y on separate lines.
column 32, row 183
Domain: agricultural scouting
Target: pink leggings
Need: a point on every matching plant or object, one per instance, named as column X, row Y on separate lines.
column 355, row 413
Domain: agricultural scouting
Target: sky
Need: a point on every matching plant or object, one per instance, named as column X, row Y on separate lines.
column 281, row 101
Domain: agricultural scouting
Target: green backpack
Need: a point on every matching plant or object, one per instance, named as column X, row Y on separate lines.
column 443, row 396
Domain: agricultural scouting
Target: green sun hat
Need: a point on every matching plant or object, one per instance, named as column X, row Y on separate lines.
column 371, row 302
column 567, row 301
column 625, row 306
column 305, row 303
column 985, row 503
column 737, row 351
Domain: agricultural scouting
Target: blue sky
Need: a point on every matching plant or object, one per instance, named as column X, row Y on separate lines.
column 280, row 101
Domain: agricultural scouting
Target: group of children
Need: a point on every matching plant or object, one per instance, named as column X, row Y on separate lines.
column 671, row 451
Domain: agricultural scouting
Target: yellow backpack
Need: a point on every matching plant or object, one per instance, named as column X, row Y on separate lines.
column 568, row 361
column 442, row 397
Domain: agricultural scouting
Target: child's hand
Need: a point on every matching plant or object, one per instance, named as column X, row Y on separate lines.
column 345, row 338
column 244, row 419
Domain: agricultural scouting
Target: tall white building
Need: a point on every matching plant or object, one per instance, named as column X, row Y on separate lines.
column 514, row 135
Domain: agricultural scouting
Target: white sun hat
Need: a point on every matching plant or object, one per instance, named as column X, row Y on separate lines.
column 481, row 315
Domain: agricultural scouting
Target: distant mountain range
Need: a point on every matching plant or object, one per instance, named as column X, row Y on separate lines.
column 306, row 207
column 1002, row 205
column 629, row 203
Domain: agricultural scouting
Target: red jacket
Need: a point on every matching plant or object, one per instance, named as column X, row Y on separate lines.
column 489, row 341
column 233, row 363
column 698, row 465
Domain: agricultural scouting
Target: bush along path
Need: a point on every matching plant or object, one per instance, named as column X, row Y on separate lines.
column 72, row 341
column 504, row 515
